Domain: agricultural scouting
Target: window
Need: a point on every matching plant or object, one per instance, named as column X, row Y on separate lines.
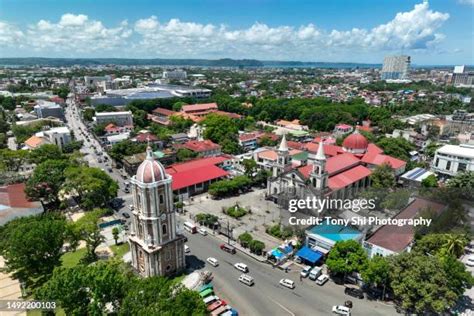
column 437, row 162
column 448, row 165
column 164, row 229
column 462, row 166
column 161, row 199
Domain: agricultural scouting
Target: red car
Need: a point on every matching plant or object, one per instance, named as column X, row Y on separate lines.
column 216, row 305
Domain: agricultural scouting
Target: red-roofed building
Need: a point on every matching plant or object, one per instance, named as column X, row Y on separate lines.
column 112, row 129
column 195, row 176
column 392, row 239
column 199, row 109
column 145, row 138
column 330, row 170
column 14, row 203
column 204, row 148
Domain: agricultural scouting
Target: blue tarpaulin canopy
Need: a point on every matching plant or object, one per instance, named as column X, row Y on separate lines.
column 309, row 254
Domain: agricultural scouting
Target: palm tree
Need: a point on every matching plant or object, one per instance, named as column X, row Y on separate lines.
column 454, row 244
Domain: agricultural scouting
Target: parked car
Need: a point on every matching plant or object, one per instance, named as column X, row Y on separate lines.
column 202, row 231
column 341, row 310
column 241, row 267
column 305, row 272
column 212, row 261
column 126, row 215
column 186, row 249
column 323, row 278
column 228, row 248
column 354, row 292
column 287, row 283
column 470, row 261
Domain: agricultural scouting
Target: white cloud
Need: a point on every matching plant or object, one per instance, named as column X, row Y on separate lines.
column 10, row 35
column 76, row 34
column 469, row 2
column 417, row 29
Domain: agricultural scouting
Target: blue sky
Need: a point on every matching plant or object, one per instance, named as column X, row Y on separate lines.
column 438, row 32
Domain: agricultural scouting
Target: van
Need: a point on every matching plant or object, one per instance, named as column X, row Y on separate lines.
column 314, row 273
column 210, row 299
column 246, row 279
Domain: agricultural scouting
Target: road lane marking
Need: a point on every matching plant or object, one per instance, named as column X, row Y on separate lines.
column 282, row 307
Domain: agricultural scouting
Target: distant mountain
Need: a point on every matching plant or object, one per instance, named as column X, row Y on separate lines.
column 224, row 62
column 58, row 62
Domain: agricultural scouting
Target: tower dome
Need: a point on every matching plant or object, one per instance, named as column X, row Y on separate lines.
column 150, row 170
column 355, row 143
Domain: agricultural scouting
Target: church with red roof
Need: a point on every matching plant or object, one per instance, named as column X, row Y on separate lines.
column 332, row 171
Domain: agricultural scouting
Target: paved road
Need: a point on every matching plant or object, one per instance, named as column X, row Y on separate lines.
column 267, row 297
column 75, row 123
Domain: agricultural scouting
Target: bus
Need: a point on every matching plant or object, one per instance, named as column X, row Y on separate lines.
column 190, row 227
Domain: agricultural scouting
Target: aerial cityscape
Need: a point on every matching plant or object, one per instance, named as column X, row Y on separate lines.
column 233, row 158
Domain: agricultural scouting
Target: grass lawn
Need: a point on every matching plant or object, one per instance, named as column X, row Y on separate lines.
column 120, row 250
column 71, row 259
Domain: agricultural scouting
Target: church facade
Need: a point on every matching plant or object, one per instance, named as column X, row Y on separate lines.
column 342, row 175
column 156, row 248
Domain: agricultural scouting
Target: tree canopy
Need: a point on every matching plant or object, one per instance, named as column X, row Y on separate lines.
column 346, row 257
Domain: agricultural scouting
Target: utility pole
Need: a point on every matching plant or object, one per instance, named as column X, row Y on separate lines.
column 228, row 232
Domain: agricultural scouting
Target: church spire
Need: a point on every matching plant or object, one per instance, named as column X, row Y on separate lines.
column 320, row 154
column 149, row 151
column 283, row 144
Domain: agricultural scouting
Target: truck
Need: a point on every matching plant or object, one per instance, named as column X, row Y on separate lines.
column 314, row 273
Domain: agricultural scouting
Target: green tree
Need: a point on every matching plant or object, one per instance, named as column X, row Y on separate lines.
column 88, row 290
column 421, row 284
column 87, row 229
column 455, row 244
column 62, row 91
column 115, row 233
column 160, row 296
column 346, row 257
column 32, row 246
column 92, row 186
column 383, row 177
column 257, row 246
column 126, row 148
column 88, row 114
column 46, row 152
column 459, row 279
column 431, row 148
column 463, row 180
column 245, row 239
column 47, row 180
column 396, row 147
column 250, row 166
column 430, row 182
column 12, row 160
column 377, row 271
column 178, row 105
column 184, row 154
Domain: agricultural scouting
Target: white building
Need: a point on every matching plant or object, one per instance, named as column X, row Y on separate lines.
column 124, row 118
column 395, row 67
column 451, row 159
column 462, row 78
column 174, row 75
column 59, row 136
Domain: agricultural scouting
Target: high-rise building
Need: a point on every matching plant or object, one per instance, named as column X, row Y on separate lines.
column 157, row 248
column 395, row 67
column 462, row 78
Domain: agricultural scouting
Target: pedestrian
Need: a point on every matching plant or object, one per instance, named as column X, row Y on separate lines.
column 301, row 278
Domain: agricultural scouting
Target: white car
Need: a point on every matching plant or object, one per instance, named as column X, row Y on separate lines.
column 287, row 283
column 470, row 261
column 305, row 272
column 241, row 267
column 323, row 278
column 186, row 249
column 202, row 231
column 212, row 261
column 341, row 310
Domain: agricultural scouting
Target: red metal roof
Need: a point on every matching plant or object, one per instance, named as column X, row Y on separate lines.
column 164, row 112
column 199, row 107
column 196, row 163
column 379, row 159
column 355, row 141
column 14, row 195
column 334, row 165
column 196, row 175
column 145, row 137
column 329, row 150
column 348, row 177
column 398, row 238
column 295, row 145
column 199, row 146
